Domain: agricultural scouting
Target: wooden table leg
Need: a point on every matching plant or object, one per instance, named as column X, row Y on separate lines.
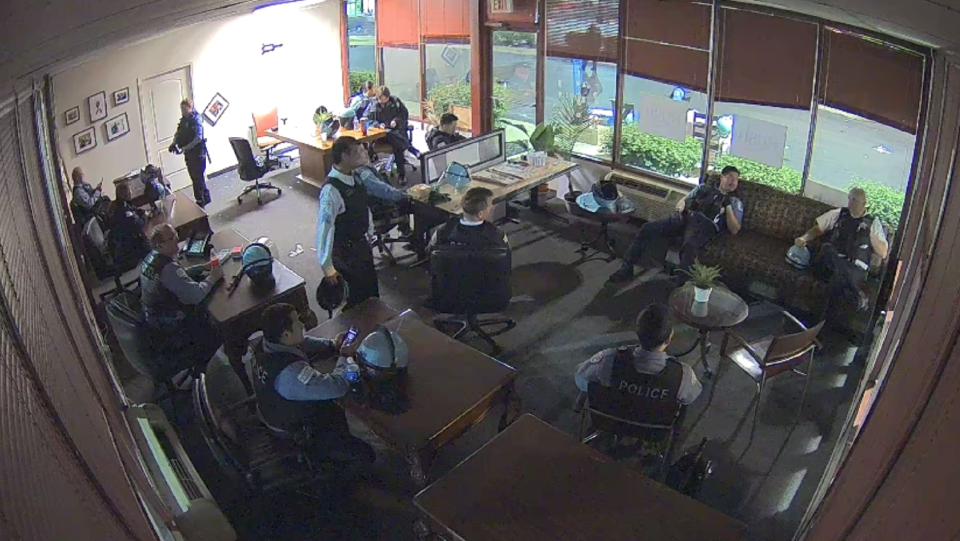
column 704, row 349
column 302, row 304
column 512, row 410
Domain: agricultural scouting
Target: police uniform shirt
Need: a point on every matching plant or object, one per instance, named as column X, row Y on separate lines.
column 332, row 205
column 188, row 291
column 467, row 223
column 734, row 201
column 299, row 381
column 600, row 367
column 828, row 220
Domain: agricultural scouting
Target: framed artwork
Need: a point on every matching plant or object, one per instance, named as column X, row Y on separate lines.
column 215, row 109
column 85, row 140
column 72, row 115
column 121, row 96
column 98, row 106
column 117, row 127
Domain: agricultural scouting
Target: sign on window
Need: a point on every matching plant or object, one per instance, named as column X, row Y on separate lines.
column 662, row 116
column 758, row 141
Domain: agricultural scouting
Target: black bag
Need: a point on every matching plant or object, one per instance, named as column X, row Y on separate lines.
column 689, row 472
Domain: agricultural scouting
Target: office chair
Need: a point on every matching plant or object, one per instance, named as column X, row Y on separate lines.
column 609, row 415
column 774, row 355
column 468, row 282
column 250, row 170
column 263, row 123
column 135, row 341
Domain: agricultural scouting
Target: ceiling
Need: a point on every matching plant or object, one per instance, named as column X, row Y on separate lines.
column 36, row 36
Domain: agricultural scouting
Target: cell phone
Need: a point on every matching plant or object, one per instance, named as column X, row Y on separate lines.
column 350, row 337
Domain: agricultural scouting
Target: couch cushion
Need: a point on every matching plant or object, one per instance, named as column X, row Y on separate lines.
column 776, row 213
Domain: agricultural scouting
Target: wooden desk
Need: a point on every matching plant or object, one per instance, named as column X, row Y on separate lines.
column 450, row 385
column 237, row 315
column 181, row 212
column 315, row 162
column 535, row 483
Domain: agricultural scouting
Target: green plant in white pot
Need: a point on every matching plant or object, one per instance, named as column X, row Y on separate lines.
column 704, row 278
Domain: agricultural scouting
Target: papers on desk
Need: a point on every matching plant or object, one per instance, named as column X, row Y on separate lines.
column 508, row 173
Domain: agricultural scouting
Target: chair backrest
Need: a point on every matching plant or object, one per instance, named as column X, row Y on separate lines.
column 786, row 351
column 126, row 320
column 264, row 121
column 247, row 166
column 221, row 450
column 224, row 391
column 605, row 422
column 470, row 281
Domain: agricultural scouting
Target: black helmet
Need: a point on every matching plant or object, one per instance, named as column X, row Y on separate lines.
column 332, row 295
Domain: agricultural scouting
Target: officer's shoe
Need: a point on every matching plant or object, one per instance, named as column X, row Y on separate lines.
column 624, row 275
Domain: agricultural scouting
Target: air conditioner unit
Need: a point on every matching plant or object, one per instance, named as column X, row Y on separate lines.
column 654, row 199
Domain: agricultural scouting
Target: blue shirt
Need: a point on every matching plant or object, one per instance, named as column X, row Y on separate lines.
column 197, row 126
column 318, row 386
column 332, row 205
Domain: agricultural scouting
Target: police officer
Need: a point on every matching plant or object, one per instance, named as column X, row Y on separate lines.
column 706, row 212
column 292, row 395
column 190, row 142
column 472, row 229
column 643, row 376
column 853, row 236
column 87, row 201
column 392, row 115
column 444, row 134
column 171, row 300
column 126, row 240
column 345, row 220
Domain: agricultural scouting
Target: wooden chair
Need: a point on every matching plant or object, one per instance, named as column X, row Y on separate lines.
column 774, row 355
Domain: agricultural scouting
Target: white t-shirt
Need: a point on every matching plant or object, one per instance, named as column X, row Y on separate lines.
column 828, row 220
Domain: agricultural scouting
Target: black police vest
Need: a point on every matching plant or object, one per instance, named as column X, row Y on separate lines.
column 710, row 201
column 187, row 132
column 643, row 398
column 277, row 411
column 350, row 227
column 160, row 305
column 851, row 236
column 485, row 235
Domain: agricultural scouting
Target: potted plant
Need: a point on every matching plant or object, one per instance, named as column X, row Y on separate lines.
column 703, row 277
column 320, row 116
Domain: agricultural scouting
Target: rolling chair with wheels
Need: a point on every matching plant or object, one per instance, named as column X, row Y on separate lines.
column 263, row 124
column 134, row 338
column 250, row 170
column 469, row 282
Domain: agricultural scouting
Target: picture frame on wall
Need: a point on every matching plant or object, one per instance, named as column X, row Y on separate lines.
column 72, row 115
column 116, row 127
column 97, row 105
column 121, row 96
column 85, row 140
column 215, row 109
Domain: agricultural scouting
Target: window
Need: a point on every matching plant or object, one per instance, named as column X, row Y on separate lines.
column 580, row 81
column 666, row 64
column 515, row 86
column 764, row 94
column 448, row 81
column 867, row 122
column 401, row 73
column 361, row 40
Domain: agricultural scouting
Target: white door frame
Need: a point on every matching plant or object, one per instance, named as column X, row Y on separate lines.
column 140, row 81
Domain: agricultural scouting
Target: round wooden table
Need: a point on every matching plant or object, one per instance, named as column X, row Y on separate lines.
column 724, row 310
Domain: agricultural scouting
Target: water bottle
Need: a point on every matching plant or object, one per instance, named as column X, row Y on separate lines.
column 353, row 373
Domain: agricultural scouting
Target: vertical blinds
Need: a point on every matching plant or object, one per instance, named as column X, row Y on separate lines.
column 668, row 41
column 397, row 22
column 872, row 80
column 445, row 18
column 766, row 59
column 583, row 29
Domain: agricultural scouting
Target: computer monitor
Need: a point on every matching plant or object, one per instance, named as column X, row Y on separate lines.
column 476, row 153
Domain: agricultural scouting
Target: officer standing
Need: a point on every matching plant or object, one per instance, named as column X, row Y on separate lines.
column 853, row 236
column 345, row 219
column 190, row 142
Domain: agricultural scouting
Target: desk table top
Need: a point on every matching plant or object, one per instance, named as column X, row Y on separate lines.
column 308, row 138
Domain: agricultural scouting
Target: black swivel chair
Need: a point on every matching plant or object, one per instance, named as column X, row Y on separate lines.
column 126, row 319
column 468, row 282
column 252, row 171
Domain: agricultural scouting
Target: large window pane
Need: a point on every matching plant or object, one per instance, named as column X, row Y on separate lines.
column 579, row 98
column 401, row 73
column 515, row 82
column 849, row 150
column 361, row 39
column 770, row 147
column 670, row 140
column 448, row 81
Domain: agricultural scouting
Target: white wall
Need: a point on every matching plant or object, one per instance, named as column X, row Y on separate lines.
column 225, row 57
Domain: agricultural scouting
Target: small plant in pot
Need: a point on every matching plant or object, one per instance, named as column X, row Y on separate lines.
column 704, row 278
column 321, row 116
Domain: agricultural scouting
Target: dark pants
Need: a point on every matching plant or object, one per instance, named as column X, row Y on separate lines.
column 341, row 448
column 694, row 236
column 844, row 277
column 197, row 167
column 398, row 142
column 354, row 262
column 191, row 342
